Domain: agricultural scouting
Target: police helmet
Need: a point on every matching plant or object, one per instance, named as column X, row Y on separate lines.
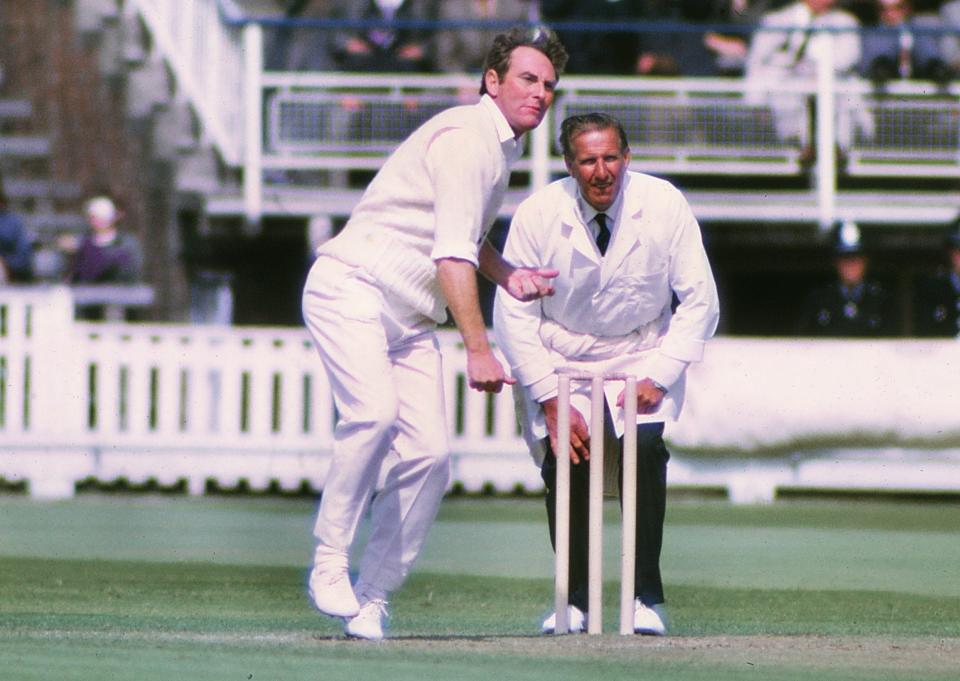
column 847, row 239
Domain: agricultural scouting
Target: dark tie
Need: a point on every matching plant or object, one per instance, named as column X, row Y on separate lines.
column 802, row 50
column 603, row 236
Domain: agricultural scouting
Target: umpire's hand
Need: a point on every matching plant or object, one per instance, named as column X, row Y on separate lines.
column 579, row 434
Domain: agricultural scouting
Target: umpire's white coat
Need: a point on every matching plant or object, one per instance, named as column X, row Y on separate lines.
column 609, row 313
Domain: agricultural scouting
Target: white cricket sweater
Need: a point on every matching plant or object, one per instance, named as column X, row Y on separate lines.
column 435, row 197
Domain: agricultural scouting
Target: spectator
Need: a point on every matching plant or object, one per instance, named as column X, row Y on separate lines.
column 462, row 50
column 852, row 305
column 596, row 51
column 950, row 40
column 729, row 49
column 16, row 251
column 665, row 52
column 895, row 49
column 786, row 48
column 302, row 48
column 106, row 254
column 938, row 298
column 383, row 48
column 699, row 52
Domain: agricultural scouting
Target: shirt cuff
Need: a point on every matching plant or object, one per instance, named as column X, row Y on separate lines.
column 666, row 370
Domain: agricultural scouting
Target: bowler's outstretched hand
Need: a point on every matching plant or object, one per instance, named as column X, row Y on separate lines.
column 526, row 284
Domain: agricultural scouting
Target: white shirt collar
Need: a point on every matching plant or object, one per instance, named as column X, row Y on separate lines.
column 588, row 212
column 512, row 146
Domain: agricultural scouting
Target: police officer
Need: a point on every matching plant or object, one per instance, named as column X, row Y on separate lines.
column 938, row 298
column 852, row 305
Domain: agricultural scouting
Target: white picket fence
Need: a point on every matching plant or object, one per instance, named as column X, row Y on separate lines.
column 171, row 403
column 187, row 402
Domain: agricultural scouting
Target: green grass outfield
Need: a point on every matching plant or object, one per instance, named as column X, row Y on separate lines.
column 102, row 588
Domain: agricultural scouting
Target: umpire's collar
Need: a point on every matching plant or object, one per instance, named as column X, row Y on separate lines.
column 588, row 212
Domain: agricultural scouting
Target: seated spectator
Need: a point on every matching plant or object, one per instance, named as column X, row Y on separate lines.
column 787, row 42
column 852, row 305
column 950, row 41
column 593, row 51
column 699, row 53
column 461, row 50
column 665, row 52
column 106, row 254
column 937, row 309
column 896, row 49
column 16, row 251
column 729, row 49
column 302, row 48
column 786, row 47
column 383, row 48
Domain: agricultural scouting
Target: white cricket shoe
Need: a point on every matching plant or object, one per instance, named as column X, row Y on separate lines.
column 368, row 624
column 648, row 620
column 330, row 588
column 576, row 621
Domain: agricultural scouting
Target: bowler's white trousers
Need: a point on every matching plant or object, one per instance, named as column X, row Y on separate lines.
column 383, row 362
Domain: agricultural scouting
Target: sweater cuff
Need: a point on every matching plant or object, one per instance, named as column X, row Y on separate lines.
column 544, row 389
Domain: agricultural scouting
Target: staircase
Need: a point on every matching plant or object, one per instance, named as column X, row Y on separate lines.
column 73, row 126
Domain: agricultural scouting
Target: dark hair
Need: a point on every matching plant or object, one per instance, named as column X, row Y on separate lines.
column 574, row 126
column 539, row 38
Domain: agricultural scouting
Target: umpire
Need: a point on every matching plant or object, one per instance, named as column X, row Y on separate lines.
column 938, row 298
column 626, row 245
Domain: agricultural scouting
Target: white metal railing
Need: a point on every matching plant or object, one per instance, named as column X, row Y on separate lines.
column 206, row 51
column 195, row 403
column 313, row 120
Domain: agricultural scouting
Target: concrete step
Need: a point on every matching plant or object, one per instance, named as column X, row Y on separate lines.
column 46, row 225
column 15, row 109
column 24, row 146
column 20, row 189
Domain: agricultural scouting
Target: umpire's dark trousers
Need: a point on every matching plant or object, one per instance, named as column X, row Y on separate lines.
column 652, row 457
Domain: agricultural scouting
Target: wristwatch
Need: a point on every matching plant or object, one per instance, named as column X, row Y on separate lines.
column 659, row 387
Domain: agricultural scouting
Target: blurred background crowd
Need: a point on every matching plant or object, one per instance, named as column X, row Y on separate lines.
column 698, row 37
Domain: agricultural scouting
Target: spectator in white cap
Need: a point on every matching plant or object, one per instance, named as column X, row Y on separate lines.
column 106, row 254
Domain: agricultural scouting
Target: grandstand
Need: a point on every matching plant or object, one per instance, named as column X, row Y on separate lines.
column 224, row 163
